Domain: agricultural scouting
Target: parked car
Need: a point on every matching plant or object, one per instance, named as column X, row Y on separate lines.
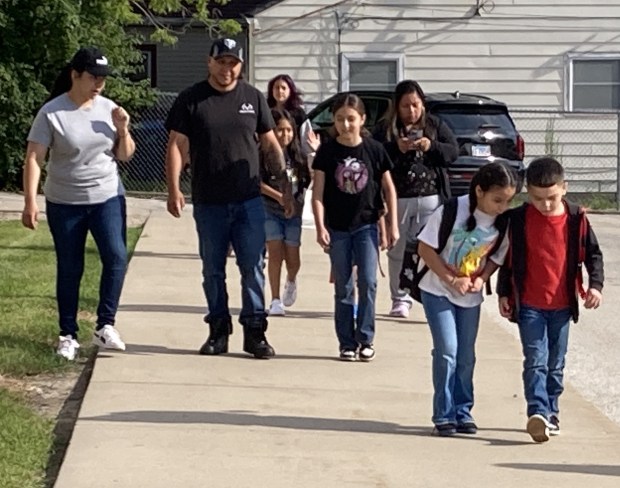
column 482, row 126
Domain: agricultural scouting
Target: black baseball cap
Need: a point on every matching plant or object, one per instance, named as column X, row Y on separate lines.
column 91, row 60
column 226, row 47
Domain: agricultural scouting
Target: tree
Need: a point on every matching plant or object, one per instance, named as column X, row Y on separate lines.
column 37, row 38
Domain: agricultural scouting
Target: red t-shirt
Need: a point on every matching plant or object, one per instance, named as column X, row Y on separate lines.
column 546, row 240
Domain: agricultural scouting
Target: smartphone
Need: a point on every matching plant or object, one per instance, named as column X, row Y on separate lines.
column 415, row 134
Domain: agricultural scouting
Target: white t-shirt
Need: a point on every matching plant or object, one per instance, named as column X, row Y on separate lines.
column 464, row 250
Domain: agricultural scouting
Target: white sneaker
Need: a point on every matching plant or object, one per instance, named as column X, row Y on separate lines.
column 109, row 338
column 290, row 293
column 538, row 428
column 67, row 347
column 276, row 309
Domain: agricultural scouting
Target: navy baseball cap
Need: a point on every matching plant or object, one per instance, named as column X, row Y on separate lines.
column 91, row 60
column 226, row 47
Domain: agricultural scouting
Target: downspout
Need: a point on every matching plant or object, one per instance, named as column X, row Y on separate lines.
column 250, row 68
column 339, row 48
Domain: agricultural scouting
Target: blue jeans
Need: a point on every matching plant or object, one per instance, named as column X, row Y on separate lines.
column 243, row 225
column 454, row 330
column 69, row 225
column 360, row 246
column 544, row 337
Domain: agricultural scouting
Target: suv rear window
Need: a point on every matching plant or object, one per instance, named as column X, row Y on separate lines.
column 467, row 119
column 375, row 110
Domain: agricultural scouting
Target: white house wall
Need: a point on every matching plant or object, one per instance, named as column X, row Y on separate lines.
column 515, row 51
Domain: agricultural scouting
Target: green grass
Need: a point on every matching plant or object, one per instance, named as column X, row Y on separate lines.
column 29, row 328
column 28, row 335
column 25, row 442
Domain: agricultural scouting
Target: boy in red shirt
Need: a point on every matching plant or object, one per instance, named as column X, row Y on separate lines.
column 539, row 284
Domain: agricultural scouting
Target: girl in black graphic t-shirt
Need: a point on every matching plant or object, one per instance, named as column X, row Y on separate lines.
column 284, row 233
column 351, row 177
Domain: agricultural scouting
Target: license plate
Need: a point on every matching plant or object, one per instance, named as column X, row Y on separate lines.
column 480, row 150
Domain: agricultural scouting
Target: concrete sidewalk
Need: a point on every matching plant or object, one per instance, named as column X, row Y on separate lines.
column 160, row 415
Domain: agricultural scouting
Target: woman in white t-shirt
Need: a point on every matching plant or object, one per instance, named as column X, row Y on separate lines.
column 84, row 134
column 451, row 290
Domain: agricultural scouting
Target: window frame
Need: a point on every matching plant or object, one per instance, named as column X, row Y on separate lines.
column 569, row 98
column 150, row 50
column 346, row 58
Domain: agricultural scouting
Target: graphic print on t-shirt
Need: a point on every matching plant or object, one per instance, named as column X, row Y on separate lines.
column 469, row 248
column 351, row 175
column 246, row 108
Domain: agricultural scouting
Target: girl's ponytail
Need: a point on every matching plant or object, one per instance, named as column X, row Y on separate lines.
column 473, row 203
column 62, row 84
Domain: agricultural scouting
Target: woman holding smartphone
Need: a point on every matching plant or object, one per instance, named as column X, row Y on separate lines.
column 421, row 146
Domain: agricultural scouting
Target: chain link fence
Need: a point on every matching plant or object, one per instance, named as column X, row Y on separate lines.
column 146, row 172
column 587, row 145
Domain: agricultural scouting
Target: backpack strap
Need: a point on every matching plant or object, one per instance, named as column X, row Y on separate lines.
column 448, row 218
column 502, row 222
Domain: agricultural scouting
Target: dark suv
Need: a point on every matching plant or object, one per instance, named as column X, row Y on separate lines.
column 483, row 128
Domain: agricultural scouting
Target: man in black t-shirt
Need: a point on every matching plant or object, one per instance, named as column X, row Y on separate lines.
column 218, row 119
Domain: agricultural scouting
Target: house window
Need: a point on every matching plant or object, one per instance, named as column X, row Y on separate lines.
column 595, row 83
column 149, row 64
column 371, row 71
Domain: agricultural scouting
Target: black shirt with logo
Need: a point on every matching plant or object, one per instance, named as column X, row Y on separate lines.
column 221, row 128
column 352, row 196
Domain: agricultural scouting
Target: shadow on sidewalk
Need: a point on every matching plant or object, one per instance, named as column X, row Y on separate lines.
column 244, row 418
column 600, row 469
column 234, row 312
column 166, row 255
column 166, row 308
column 144, row 349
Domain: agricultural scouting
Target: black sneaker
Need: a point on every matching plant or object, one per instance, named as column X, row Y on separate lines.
column 347, row 355
column 554, row 425
column 467, row 428
column 444, row 430
column 367, row 353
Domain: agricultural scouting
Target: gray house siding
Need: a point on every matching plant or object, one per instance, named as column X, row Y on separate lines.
column 514, row 50
column 517, row 51
column 185, row 63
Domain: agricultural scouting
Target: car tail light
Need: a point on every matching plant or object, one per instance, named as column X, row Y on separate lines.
column 520, row 147
column 465, row 175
